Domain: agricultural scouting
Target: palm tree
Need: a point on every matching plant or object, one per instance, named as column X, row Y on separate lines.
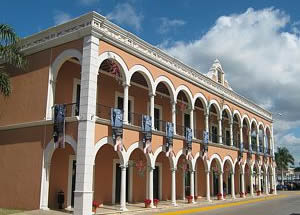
column 283, row 158
column 10, row 54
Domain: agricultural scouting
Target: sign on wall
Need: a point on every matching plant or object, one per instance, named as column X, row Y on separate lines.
column 59, row 125
column 117, row 128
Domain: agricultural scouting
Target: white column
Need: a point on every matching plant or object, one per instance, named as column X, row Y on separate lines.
column 259, row 181
column 207, row 186
column 251, row 184
column 174, row 115
column 257, row 141
column 243, row 183
column 231, row 133
column 125, row 103
column 152, row 109
column 173, row 171
column 241, row 134
column 220, row 130
column 45, row 187
column 266, row 183
column 150, row 184
column 192, row 121
column 232, row 185
column 272, row 143
column 192, row 188
column 206, row 123
column 274, row 181
column 86, row 127
column 221, row 183
column 249, row 139
column 123, row 188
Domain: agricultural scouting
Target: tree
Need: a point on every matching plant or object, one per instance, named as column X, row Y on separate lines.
column 283, row 158
column 10, row 54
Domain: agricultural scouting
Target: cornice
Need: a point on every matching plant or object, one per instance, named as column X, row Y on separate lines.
column 94, row 23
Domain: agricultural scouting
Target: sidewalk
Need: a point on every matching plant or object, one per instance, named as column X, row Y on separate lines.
column 140, row 207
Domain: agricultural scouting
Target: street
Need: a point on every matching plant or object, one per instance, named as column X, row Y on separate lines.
column 286, row 203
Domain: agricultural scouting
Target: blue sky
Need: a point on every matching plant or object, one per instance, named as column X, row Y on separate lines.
column 257, row 42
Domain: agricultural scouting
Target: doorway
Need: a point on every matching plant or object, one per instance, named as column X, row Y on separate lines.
column 156, row 183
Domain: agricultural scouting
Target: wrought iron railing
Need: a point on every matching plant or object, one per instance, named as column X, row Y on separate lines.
column 213, row 137
column 180, row 130
column 71, row 109
column 135, row 119
column 160, row 125
column 198, row 134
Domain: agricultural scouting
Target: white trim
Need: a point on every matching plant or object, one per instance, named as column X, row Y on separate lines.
column 72, row 158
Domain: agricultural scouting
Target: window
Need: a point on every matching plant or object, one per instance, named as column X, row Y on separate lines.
column 76, row 97
column 157, row 119
column 227, row 137
column 220, row 77
column 214, row 134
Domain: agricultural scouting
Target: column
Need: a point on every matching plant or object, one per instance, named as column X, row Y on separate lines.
column 196, row 183
column 207, row 186
column 206, row 123
column 173, row 171
column 123, row 188
column 266, row 183
column 174, row 115
column 259, row 181
column 264, row 142
column 221, row 183
column 243, row 183
column 232, row 185
column 150, row 184
column 86, row 127
column 249, row 139
column 152, row 109
column 257, row 142
column 275, row 181
column 45, row 187
column 192, row 191
column 125, row 103
column 220, row 130
column 241, row 134
column 251, row 184
column 231, row 133
column 192, row 121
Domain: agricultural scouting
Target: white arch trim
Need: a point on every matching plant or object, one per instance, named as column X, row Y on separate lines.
column 226, row 108
column 203, row 100
column 178, row 156
column 236, row 112
column 145, row 72
column 158, row 151
column 139, row 145
column 105, row 141
column 53, row 71
column 219, row 160
column 228, row 158
column 198, row 156
column 253, row 120
column 116, row 57
column 260, row 124
column 169, row 84
column 214, row 102
column 247, row 120
column 187, row 92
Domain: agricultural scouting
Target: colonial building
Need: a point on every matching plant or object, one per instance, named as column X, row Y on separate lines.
column 204, row 138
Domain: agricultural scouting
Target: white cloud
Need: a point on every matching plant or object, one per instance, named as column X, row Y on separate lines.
column 167, row 24
column 88, row 2
column 61, row 17
column 260, row 59
column 124, row 13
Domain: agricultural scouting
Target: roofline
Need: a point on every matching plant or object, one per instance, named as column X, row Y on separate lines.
column 98, row 25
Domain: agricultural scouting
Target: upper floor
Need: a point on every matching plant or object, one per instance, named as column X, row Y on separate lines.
column 135, row 77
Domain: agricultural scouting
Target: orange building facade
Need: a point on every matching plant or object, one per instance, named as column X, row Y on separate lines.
column 93, row 66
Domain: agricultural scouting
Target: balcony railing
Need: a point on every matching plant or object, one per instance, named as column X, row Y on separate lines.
column 180, row 130
column 226, row 140
column 135, row 119
column 198, row 133
column 103, row 111
column 160, row 125
column 71, row 109
column 213, row 137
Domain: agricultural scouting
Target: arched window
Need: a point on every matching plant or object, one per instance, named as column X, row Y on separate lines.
column 220, row 76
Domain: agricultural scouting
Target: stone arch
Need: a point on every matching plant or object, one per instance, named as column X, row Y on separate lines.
column 216, row 104
column 146, row 74
column 218, row 159
column 205, row 161
column 236, row 112
column 168, row 84
column 158, row 151
column 202, row 99
column 139, row 145
column 245, row 117
column 227, row 109
column 228, row 158
column 177, row 159
column 116, row 57
column 187, row 92
column 253, row 120
column 108, row 140
column 53, row 71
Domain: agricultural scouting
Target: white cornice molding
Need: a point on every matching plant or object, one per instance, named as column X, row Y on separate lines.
column 94, row 23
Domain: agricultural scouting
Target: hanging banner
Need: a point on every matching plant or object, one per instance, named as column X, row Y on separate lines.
column 169, row 138
column 147, row 131
column 117, row 128
column 205, row 143
column 59, row 125
column 241, row 152
column 188, row 143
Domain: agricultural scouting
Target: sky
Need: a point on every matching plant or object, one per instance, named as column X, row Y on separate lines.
column 256, row 41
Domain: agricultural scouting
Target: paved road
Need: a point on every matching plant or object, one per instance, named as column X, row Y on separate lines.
column 286, row 203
